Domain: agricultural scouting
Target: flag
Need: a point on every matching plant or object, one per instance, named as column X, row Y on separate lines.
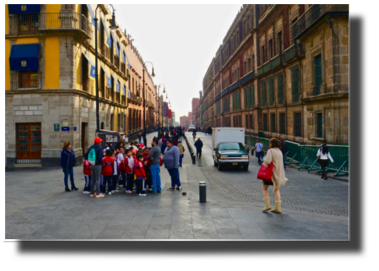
column 165, row 109
column 169, row 114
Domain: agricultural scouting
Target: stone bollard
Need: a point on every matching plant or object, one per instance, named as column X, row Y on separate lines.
column 202, row 192
column 193, row 159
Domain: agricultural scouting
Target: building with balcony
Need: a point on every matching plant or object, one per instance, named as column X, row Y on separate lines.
column 50, row 80
column 282, row 70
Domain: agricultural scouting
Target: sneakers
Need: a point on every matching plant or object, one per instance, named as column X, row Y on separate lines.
column 92, row 195
column 128, row 191
column 120, row 185
column 110, row 193
column 116, row 190
column 142, row 194
column 171, row 188
column 100, row 196
column 179, row 188
column 86, row 192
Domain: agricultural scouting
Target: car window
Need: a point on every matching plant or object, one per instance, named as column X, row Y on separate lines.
column 231, row 146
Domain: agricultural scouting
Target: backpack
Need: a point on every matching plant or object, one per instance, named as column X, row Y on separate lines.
column 92, row 156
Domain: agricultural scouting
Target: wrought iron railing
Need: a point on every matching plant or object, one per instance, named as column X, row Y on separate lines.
column 275, row 62
column 16, row 85
column 290, row 53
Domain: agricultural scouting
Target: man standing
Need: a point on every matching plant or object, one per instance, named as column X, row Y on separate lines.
column 259, row 150
column 198, row 145
column 284, row 150
column 96, row 168
column 154, row 168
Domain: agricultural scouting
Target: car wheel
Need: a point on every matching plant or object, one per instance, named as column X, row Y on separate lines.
column 219, row 167
column 246, row 167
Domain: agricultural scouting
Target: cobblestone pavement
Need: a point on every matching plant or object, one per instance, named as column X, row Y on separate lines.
column 303, row 192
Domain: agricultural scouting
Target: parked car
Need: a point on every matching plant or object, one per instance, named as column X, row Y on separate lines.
column 230, row 154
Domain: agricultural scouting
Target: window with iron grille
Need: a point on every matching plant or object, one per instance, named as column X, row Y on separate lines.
column 295, row 83
column 253, row 95
column 318, row 74
column 265, row 124
column 263, row 93
column 297, row 123
column 27, row 23
column 273, row 123
column 279, row 87
column 28, row 79
column 251, row 121
column 271, row 91
column 282, row 120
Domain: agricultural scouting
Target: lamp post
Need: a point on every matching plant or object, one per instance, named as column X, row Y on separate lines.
column 159, row 100
column 112, row 27
column 143, row 95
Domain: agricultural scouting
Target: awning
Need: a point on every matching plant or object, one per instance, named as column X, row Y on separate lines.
column 115, row 45
column 92, row 16
column 118, row 86
column 109, row 81
column 116, row 81
column 24, row 57
column 127, row 60
column 129, row 92
column 109, row 42
column 23, row 9
column 93, row 68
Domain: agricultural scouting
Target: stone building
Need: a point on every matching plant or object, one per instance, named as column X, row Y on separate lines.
column 195, row 103
column 50, row 81
column 282, row 70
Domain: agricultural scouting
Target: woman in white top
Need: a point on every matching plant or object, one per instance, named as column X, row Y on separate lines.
column 324, row 155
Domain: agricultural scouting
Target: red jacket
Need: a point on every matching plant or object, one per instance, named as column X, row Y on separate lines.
column 149, row 162
column 86, row 168
column 124, row 167
column 139, row 170
column 108, row 165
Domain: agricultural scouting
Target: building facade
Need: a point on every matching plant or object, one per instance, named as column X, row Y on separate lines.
column 50, row 81
column 195, row 103
column 282, row 70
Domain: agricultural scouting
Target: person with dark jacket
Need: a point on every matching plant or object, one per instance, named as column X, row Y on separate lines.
column 163, row 146
column 171, row 162
column 199, row 145
column 96, row 169
column 284, row 150
column 68, row 161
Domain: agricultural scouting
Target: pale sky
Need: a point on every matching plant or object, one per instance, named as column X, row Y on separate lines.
column 180, row 40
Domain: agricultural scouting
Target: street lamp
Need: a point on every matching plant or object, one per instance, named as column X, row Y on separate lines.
column 112, row 28
column 159, row 100
column 143, row 94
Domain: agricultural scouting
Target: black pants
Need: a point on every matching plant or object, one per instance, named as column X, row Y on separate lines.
column 149, row 181
column 323, row 163
column 198, row 152
column 114, row 181
column 140, row 185
column 129, row 182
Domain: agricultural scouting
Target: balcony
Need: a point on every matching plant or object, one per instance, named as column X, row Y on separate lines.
column 105, row 51
column 65, row 21
column 313, row 15
column 123, row 100
column 275, row 62
column 267, row 66
column 260, row 70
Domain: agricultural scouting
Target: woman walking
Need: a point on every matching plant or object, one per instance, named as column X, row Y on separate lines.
column 275, row 156
column 324, row 155
column 68, row 161
column 171, row 162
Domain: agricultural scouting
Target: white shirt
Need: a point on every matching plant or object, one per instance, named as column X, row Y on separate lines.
column 120, row 157
column 324, row 156
column 259, row 147
column 115, row 167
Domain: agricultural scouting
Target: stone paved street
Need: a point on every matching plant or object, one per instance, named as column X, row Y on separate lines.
column 38, row 208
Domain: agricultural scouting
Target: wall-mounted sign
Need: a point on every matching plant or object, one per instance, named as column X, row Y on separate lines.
column 65, row 128
column 56, row 127
column 110, row 138
column 74, row 128
column 65, row 123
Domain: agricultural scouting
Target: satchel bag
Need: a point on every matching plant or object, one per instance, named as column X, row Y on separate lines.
column 265, row 173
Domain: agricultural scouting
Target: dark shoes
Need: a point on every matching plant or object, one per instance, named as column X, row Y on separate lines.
column 171, row 188
column 74, row 188
column 67, row 189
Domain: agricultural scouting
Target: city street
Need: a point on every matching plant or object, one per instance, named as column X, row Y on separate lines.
column 38, row 208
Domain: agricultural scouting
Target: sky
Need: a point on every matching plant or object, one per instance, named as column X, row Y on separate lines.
column 180, row 40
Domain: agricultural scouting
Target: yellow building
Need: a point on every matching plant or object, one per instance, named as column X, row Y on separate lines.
column 50, row 80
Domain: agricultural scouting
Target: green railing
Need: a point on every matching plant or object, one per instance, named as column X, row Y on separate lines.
column 306, row 155
column 275, row 62
column 290, row 53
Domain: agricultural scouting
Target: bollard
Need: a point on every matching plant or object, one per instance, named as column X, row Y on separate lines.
column 202, row 192
column 193, row 159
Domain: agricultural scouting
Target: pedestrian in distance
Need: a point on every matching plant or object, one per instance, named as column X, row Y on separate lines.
column 120, row 158
column 323, row 156
column 146, row 166
column 199, row 145
column 107, row 172
column 274, row 155
column 163, row 147
column 129, row 163
column 154, row 156
column 139, row 137
column 181, row 152
column 171, row 162
column 115, row 175
column 194, row 135
column 284, row 150
column 68, row 161
column 95, row 158
column 259, row 151
column 140, row 175
column 87, row 176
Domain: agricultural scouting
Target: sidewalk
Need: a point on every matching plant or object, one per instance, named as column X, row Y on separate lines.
column 38, row 208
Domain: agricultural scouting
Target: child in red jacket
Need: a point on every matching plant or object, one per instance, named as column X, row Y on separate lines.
column 146, row 165
column 87, row 176
column 140, row 174
column 107, row 172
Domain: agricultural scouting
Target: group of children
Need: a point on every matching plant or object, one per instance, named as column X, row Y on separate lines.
column 129, row 169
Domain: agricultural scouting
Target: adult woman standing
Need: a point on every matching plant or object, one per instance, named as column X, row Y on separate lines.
column 171, row 162
column 275, row 156
column 324, row 155
column 68, row 161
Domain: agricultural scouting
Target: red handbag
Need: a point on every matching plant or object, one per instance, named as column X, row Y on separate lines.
column 265, row 173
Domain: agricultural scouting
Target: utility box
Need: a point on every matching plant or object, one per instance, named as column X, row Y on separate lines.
column 227, row 134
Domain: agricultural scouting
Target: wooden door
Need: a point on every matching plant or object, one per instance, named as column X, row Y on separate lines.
column 28, row 136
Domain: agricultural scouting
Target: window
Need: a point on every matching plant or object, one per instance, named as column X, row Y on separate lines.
column 271, row 91
column 318, row 74
column 251, row 121
column 248, row 64
column 27, row 23
column 319, row 125
column 282, row 119
column 247, row 122
column 297, row 123
column 270, row 49
column 263, row 93
column 295, row 83
column 236, row 101
column 279, row 46
column 273, row 123
column 265, row 122
column 253, row 95
column 28, row 79
column 263, row 55
column 279, row 87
